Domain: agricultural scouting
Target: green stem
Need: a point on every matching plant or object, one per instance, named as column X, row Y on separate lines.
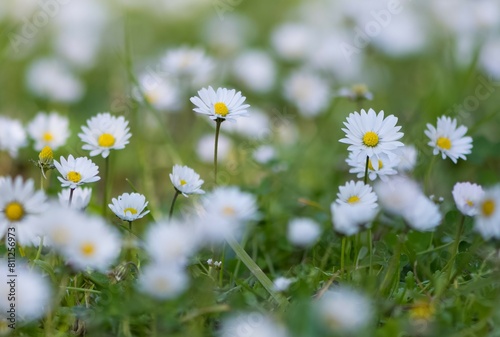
column 342, row 256
column 256, row 271
column 456, row 245
column 218, row 122
column 70, row 196
column 393, row 268
column 429, row 173
column 106, row 185
column 366, row 169
column 173, row 204
column 370, row 251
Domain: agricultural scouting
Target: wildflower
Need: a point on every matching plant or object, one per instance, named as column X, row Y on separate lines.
column 103, row 133
column 357, row 193
column 264, row 154
column 76, row 171
column 191, row 64
column 386, row 166
column 303, row 232
column 221, row 105
column 370, row 135
column 449, row 140
column 163, row 281
column 467, row 196
column 186, row 180
column 60, row 225
column 256, row 70
column 487, row 220
column 309, row 92
column 162, row 93
column 282, row 283
column 12, row 136
column 20, row 206
column 45, row 160
column 407, row 158
column 80, row 199
column 423, row 214
column 349, row 219
column 252, row 324
column 356, row 93
column 129, row 207
column 49, row 130
column 293, row 41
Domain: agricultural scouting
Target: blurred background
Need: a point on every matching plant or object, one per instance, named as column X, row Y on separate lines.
column 303, row 66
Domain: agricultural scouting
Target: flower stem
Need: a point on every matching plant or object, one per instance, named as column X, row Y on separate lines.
column 173, row 204
column 456, row 245
column 256, row 271
column 70, row 196
column 218, row 122
column 106, row 184
column 366, row 170
column 393, row 267
column 342, row 256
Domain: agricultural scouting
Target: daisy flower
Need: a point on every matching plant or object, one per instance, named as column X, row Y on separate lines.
column 303, row 232
column 282, row 283
column 59, row 225
column 103, row 133
column 467, row 196
column 186, row 180
column 449, row 140
column 356, row 93
column 487, row 220
column 357, row 193
column 81, row 197
column 49, row 130
column 20, row 207
column 370, row 134
column 222, row 104
column 75, row 172
column 349, row 219
column 407, row 158
column 191, row 64
column 254, row 324
column 12, row 136
column 386, row 166
column 423, row 214
column 129, row 207
column 163, row 282
column 308, row 92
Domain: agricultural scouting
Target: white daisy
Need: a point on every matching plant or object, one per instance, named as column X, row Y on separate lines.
column 76, row 171
column 293, row 41
column 407, row 158
column 224, row 104
column 467, row 196
column 254, row 324
column 256, row 70
column 264, row 154
column 96, row 245
column 80, row 200
column 282, row 283
column 397, row 194
column 357, row 193
column 103, row 133
column 191, row 64
column 370, row 134
column 448, row 139
column 349, row 219
column 162, row 93
column 60, row 225
column 303, row 232
column 423, row 214
column 386, row 166
column 129, row 207
column 12, row 136
column 186, row 180
column 345, row 310
column 163, row 281
column 49, row 130
column 309, row 92
column 487, row 221
column 20, row 207
column 357, row 92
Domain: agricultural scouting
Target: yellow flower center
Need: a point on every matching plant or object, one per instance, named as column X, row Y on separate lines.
column 152, row 96
column 74, row 176
column 370, row 139
column 488, row 207
column 380, row 165
column 422, row 310
column 470, row 203
column 444, row 143
column 183, row 182
column 161, row 285
column 228, row 210
column 131, row 210
column 106, row 140
column 47, row 136
column 353, row 199
column 221, row 109
column 88, row 249
column 14, row 211
column 46, row 155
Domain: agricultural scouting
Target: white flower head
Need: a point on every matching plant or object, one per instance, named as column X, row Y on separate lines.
column 49, row 130
column 303, row 232
column 80, row 200
column 256, row 70
column 186, row 180
column 252, row 324
column 12, row 136
column 163, row 281
column 349, row 219
column 282, row 283
column 293, row 41
column 397, row 194
column 162, row 93
column 386, row 166
column 467, row 196
column 103, row 133
column 370, row 134
column 357, row 193
column 221, row 104
column 423, row 214
column 407, row 158
column 189, row 63
column 59, row 225
column 264, row 154
column 487, row 221
column 32, row 292
column 76, row 171
column 129, row 206
column 96, row 245
column 345, row 310
column 309, row 92
column 20, row 207
column 449, row 140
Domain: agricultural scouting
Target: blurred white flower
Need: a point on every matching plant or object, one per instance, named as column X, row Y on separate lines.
column 487, row 221
column 162, row 93
column 264, row 154
column 357, row 193
column 80, row 200
column 303, row 232
column 129, row 206
column 189, row 64
column 449, row 140
column 186, row 180
column 205, row 148
column 49, row 130
column 221, row 104
column 386, row 166
column 282, row 283
column 467, row 197
column 407, row 158
column 256, row 127
column 251, row 325
column 423, row 214
column 229, row 35
column 12, row 136
column 293, row 41
column 52, row 79
column 488, row 58
column 356, row 92
column 309, row 92
column 349, row 219
column 163, row 281
column 345, row 310
column 76, row 171
column 256, row 70
column 103, row 133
